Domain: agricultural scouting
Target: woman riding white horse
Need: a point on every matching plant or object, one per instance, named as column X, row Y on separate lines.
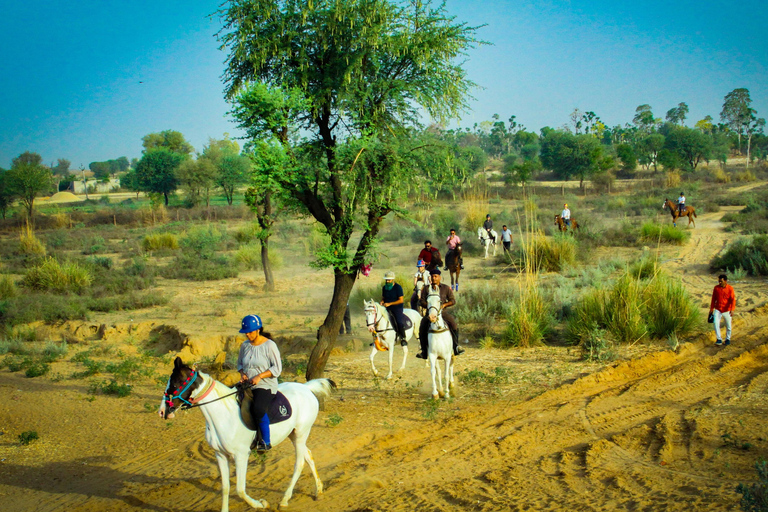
column 228, row 435
column 377, row 320
column 487, row 239
column 440, row 346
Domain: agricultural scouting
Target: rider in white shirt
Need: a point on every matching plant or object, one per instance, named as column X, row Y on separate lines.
column 422, row 275
column 566, row 215
column 681, row 203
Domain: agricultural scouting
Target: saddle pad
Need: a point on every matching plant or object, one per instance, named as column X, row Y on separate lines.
column 407, row 324
column 279, row 410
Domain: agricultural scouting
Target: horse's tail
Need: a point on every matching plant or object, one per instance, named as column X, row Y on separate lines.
column 321, row 387
column 694, row 212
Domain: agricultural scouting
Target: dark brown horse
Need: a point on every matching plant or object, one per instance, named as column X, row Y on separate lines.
column 688, row 211
column 562, row 226
column 453, row 262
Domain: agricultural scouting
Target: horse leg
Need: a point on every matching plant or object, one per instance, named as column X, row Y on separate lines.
column 373, row 366
column 391, row 353
column 447, row 377
column 440, row 391
column 450, row 379
column 405, row 349
column 301, row 451
column 241, row 468
column 433, row 371
column 311, row 463
column 223, row 462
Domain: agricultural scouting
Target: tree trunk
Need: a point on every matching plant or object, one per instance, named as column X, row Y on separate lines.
column 328, row 332
column 269, row 284
column 749, row 147
column 165, row 195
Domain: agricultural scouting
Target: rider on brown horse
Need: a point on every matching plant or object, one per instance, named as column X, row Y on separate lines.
column 681, row 205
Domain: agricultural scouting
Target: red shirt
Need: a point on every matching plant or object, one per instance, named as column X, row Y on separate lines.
column 723, row 298
column 426, row 255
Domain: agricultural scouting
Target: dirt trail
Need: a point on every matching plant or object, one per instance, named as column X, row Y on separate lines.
column 668, row 431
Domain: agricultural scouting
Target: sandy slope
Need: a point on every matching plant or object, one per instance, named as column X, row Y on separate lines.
column 646, row 434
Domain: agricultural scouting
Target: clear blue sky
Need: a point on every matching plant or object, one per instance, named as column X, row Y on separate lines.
column 72, row 71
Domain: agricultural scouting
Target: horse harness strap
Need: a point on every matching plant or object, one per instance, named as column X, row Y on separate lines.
column 195, row 401
column 375, row 321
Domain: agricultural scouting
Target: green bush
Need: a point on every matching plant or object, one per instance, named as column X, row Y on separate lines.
column 28, row 436
column 544, row 254
column 37, row 369
column 193, row 268
column 49, row 308
column 754, row 498
column 653, row 232
column 51, row 275
column 530, row 318
column 249, row 257
column 202, row 242
column 101, row 261
column 125, row 302
column 644, row 268
column 159, row 242
column 94, row 245
column 110, row 388
column 751, row 254
column 7, row 288
column 597, row 345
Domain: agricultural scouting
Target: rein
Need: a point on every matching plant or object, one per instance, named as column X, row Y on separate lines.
column 193, row 402
column 375, row 314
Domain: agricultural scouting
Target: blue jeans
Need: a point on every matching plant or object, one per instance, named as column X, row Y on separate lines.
column 727, row 317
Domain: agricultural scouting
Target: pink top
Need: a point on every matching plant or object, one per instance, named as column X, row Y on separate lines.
column 453, row 242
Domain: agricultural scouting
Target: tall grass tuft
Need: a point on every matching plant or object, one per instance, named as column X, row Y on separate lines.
column 249, row 256
column 669, row 309
column 29, row 244
column 653, row 232
column 51, row 275
column 543, row 254
column 8, row 288
column 750, row 254
column 530, row 318
column 476, row 209
column 159, row 242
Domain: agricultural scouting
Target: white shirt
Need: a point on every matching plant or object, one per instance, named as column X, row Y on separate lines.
column 681, row 200
column 506, row 235
column 566, row 214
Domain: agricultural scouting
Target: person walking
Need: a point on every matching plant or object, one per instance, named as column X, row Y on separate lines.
column 722, row 304
column 506, row 238
column 259, row 363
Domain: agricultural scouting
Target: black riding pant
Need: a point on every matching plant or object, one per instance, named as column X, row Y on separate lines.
column 398, row 316
column 424, row 330
column 262, row 399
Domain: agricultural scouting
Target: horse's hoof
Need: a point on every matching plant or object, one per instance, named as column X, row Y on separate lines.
column 441, row 394
column 389, row 376
column 435, row 397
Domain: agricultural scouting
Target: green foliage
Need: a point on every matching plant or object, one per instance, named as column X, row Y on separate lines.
column 160, row 241
column 626, row 154
column 28, row 436
column 500, row 375
column 111, row 387
column 249, row 256
column 545, row 254
column 202, row 241
column 189, row 266
column 169, row 140
column 530, row 318
column 644, row 268
column 690, row 146
column 597, row 345
column 94, row 245
column 29, row 244
column 749, row 253
column 8, row 288
column 665, row 233
column 669, row 308
column 571, row 156
column 156, row 171
column 55, row 276
column 333, row 420
column 27, row 178
column 754, row 497
column 6, row 193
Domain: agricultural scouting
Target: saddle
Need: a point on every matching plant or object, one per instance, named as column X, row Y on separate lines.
column 279, row 409
column 407, row 324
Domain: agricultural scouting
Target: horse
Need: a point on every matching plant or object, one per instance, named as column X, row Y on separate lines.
column 675, row 211
column 377, row 320
column 440, row 347
column 562, row 226
column 228, row 435
column 454, row 266
column 486, row 241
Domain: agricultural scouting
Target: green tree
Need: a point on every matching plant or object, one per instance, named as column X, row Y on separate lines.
column 233, row 172
column 753, row 127
column 678, row 114
column 100, row 170
column 28, row 178
column 6, row 195
column 197, row 178
column 627, row 155
column 360, row 73
column 122, row 164
column 644, row 119
column 156, row 171
column 168, row 139
column 62, row 167
column 705, row 125
column 691, row 146
column 648, row 149
column 737, row 112
column 571, row 156
column 129, row 181
column 520, row 172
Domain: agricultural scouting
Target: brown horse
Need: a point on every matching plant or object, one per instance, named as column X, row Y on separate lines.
column 675, row 211
column 453, row 262
column 562, row 226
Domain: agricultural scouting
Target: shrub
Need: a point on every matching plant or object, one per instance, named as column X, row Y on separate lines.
column 202, row 241
column 128, row 301
column 200, row 269
column 101, row 261
column 653, row 232
column 28, row 436
column 94, row 245
column 539, row 253
column 669, row 308
column 51, row 275
column 31, row 307
column 754, row 498
column 597, row 345
column 644, row 268
column 7, row 288
column 751, row 254
column 37, row 369
column 159, row 242
column 110, row 388
column 29, row 244
column 249, row 257
column 530, row 318
column 248, row 234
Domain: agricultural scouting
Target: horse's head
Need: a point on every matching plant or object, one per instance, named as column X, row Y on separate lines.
column 458, row 248
column 181, row 384
column 371, row 312
column 666, row 203
column 433, row 305
column 557, row 219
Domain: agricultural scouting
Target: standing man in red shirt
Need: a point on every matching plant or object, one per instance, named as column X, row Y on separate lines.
column 723, row 302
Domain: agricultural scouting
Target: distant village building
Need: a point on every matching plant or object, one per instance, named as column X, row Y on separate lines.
column 98, row 187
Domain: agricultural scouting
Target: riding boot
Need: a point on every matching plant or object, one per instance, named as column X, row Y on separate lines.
column 264, row 443
column 456, row 349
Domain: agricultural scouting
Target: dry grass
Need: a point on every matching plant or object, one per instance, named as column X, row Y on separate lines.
column 29, row 244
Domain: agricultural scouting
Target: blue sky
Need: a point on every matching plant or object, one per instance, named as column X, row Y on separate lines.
column 72, row 72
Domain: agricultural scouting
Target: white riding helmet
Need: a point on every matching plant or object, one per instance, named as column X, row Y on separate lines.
column 389, row 275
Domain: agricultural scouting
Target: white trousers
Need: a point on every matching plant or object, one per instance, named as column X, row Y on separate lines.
column 727, row 317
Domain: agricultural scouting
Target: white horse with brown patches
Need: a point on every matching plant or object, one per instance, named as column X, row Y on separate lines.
column 228, row 435
column 440, row 346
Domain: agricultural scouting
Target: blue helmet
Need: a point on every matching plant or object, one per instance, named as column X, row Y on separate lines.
column 251, row 323
column 420, row 263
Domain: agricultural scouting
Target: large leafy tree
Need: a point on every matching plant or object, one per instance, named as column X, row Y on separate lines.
column 6, row 195
column 197, row 178
column 571, row 156
column 28, row 178
column 156, row 171
column 737, row 112
column 168, row 139
column 691, row 146
column 677, row 115
column 62, row 167
column 350, row 76
column 648, row 150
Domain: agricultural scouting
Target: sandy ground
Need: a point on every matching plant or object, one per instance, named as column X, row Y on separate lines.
column 666, row 430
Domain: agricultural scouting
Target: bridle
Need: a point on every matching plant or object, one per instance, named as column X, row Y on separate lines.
column 438, row 311
column 168, row 398
column 376, row 321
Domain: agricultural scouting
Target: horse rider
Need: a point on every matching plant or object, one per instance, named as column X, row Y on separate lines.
column 421, row 275
column 681, row 204
column 488, row 225
column 447, row 300
column 566, row 215
column 392, row 299
column 260, row 364
column 430, row 256
column 452, row 241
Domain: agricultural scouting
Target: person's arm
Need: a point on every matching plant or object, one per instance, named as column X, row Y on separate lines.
column 712, row 302
column 732, row 299
column 240, row 368
column 398, row 301
column 451, row 299
column 423, row 295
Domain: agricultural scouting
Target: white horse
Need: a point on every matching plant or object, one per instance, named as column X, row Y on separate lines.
column 377, row 320
column 228, row 435
column 440, row 347
column 486, row 240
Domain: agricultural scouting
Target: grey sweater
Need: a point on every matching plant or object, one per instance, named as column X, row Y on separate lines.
column 256, row 359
